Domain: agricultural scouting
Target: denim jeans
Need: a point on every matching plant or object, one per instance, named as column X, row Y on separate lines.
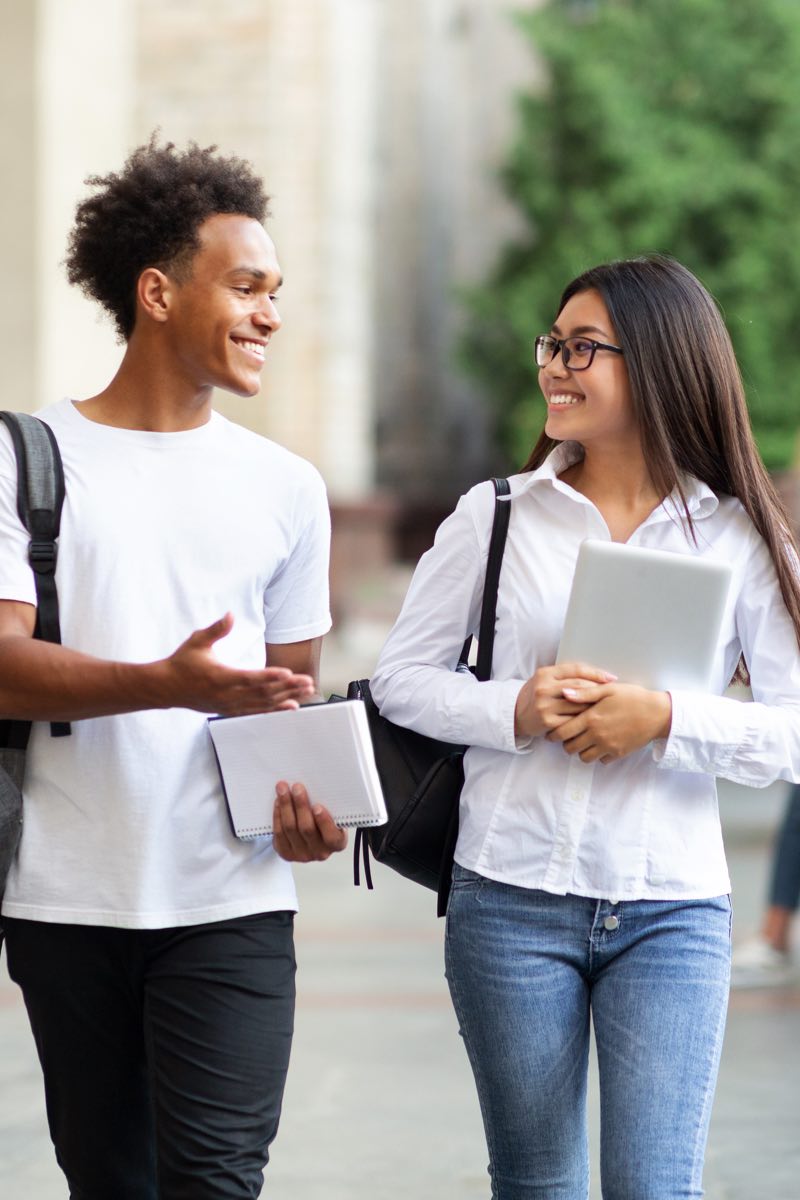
column 526, row 970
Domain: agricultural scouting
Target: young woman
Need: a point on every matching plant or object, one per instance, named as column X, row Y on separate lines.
column 590, row 876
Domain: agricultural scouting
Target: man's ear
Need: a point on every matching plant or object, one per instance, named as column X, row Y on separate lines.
column 154, row 291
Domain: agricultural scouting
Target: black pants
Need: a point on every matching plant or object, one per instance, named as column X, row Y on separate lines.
column 164, row 1051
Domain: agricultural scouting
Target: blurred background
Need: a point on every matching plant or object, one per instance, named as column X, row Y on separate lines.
column 439, row 169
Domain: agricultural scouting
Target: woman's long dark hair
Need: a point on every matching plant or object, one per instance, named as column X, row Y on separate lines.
column 688, row 397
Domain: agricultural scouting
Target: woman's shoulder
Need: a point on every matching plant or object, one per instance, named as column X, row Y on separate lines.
column 481, row 496
column 477, row 507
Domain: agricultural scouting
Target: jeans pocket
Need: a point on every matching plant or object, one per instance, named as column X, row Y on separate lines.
column 464, row 879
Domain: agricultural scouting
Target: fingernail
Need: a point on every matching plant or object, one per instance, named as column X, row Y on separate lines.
column 569, row 692
column 611, row 678
column 296, row 790
column 318, row 810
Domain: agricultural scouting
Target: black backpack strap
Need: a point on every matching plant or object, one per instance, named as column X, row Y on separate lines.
column 494, row 561
column 40, row 498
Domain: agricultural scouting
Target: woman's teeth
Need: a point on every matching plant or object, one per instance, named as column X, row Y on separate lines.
column 563, row 399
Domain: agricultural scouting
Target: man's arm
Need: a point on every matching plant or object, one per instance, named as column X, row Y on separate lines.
column 302, row 658
column 40, row 681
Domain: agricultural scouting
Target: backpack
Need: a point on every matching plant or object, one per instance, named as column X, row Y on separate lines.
column 40, row 497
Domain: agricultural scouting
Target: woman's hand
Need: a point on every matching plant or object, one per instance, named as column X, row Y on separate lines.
column 543, row 704
column 615, row 719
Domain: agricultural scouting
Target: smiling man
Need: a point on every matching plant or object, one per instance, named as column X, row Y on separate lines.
column 154, row 950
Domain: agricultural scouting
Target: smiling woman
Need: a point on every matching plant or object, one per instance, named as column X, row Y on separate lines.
column 590, row 879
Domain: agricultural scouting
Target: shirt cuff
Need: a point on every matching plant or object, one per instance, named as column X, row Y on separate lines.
column 516, row 745
column 704, row 735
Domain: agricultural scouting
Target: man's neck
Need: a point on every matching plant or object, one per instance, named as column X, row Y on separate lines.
column 145, row 395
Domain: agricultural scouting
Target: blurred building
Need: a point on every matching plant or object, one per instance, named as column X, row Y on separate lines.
column 379, row 128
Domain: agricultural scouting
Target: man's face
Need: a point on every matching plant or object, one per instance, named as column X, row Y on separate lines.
column 222, row 317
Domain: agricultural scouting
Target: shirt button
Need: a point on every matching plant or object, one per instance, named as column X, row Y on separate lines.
column 611, row 923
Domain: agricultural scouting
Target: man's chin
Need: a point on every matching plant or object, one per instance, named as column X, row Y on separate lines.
column 246, row 391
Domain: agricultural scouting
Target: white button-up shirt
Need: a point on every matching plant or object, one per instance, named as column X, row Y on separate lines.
column 645, row 826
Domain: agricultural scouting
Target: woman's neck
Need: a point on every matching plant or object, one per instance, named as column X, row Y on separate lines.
column 620, row 487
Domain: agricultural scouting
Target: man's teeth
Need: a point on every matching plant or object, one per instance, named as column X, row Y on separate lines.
column 254, row 347
column 561, row 399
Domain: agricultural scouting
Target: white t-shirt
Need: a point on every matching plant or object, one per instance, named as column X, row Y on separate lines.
column 162, row 533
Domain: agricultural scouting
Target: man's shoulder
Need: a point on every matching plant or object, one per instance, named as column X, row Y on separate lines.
column 247, row 446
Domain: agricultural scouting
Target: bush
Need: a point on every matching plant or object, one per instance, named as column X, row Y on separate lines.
column 663, row 125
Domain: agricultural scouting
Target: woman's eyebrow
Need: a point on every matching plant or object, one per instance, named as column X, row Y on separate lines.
column 581, row 329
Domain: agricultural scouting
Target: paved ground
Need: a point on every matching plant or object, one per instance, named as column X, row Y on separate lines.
column 380, row 1104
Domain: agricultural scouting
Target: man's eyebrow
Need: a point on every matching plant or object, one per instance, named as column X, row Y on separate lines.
column 255, row 273
column 581, row 329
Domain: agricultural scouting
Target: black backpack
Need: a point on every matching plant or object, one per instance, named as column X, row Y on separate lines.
column 40, row 497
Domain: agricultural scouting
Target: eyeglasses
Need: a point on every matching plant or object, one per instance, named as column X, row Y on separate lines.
column 577, row 352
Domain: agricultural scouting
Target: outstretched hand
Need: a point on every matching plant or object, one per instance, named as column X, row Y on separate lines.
column 193, row 677
column 614, row 720
column 300, row 832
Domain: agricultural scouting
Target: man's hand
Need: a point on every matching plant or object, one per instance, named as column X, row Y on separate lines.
column 615, row 720
column 301, row 833
column 543, row 704
column 43, row 681
column 193, row 677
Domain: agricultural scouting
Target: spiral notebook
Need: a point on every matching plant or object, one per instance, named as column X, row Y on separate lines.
column 327, row 747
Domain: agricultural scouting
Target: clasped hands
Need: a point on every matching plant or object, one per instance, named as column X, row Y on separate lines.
column 590, row 712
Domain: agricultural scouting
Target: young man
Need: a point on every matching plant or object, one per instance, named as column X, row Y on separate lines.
column 154, row 950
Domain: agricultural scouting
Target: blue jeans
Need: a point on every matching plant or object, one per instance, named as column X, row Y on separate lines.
column 525, row 970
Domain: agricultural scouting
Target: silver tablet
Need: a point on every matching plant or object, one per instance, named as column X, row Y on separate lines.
column 651, row 617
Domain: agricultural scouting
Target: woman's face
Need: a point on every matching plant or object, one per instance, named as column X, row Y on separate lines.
column 591, row 406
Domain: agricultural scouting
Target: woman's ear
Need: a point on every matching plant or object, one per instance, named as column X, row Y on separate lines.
column 154, row 294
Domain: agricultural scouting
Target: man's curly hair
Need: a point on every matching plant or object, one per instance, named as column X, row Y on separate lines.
column 149, row 214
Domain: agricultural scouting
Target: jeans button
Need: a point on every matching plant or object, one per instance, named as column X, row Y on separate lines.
column 611, row 923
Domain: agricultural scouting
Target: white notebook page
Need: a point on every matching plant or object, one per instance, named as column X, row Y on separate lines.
column 327, row 747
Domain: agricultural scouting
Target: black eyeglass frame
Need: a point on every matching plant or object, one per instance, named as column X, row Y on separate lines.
column 562, row 345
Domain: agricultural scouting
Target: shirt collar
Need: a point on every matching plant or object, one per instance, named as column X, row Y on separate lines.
column 701, row 501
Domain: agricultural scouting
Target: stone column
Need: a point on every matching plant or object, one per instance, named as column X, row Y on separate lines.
column 18, row 301
column 86, row 95
column 67, row 78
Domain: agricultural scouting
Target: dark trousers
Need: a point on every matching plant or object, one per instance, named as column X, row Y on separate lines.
column 785, row 884
column 164, row 1051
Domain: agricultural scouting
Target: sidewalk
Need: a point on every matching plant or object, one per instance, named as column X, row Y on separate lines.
column 380, row 1103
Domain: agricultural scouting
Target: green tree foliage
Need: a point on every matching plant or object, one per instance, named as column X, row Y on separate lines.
column 661, row 125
